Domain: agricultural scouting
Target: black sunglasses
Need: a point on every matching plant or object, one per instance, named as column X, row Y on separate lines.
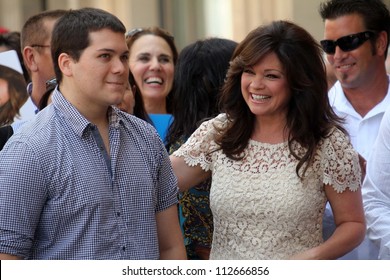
column 346, row 43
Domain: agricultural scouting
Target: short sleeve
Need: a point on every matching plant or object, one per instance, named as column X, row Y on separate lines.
column 167, row 183
column 199, row 148
column 340, row 162
column 22, row 197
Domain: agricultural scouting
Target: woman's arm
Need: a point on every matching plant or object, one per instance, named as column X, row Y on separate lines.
column 188, row 176
column 350, row 226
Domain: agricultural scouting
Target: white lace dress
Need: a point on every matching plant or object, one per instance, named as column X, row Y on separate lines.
column 261, row 209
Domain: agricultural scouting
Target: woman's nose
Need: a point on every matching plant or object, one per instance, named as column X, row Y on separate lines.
column 155, row 64
column 257, row 83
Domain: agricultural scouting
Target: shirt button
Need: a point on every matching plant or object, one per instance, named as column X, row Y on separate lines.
column 118, row 214
column 123, row 248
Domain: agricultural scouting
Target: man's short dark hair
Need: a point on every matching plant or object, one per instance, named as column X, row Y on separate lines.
column 375, row 14
column 71, row 32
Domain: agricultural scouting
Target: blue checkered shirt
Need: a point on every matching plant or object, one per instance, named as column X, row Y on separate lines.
column 63, row 197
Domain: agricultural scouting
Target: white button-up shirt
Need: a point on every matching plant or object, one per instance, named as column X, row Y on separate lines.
column 363, row 132
column 376, row 190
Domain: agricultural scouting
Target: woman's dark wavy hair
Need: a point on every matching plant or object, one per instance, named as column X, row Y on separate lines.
column 199, row 74
column 136, row 33
column 139, row 107
column 310, row 116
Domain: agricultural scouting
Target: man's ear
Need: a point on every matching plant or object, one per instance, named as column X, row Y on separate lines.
column 381, row 43
column 29, row 59
column 65, row 64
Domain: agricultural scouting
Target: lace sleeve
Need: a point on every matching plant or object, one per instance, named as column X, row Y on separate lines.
column 340, row 163
column 197, row 150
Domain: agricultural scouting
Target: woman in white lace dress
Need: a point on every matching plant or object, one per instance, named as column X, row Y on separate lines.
column 276, row 155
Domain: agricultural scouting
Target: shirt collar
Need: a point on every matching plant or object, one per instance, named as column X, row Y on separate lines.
column 339, row 101
column 75, row 119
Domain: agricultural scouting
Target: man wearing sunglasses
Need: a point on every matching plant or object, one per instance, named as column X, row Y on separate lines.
column 356, row 39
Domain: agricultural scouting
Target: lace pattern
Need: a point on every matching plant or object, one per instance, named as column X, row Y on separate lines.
column 261, row 209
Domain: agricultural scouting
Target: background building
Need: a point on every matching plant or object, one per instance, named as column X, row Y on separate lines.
column 188, row 20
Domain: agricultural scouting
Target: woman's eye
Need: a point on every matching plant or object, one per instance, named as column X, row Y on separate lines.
column 272, row 76
column 165, row 60
column 143, row 58
column 248, row 71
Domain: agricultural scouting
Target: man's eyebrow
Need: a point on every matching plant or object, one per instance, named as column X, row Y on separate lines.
column 105, row 50
column 112, row 50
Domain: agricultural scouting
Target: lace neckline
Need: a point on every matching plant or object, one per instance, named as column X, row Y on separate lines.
column 268, row 145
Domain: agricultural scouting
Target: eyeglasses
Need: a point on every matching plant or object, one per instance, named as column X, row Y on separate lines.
column 134, row 31
column 51, row 84
column 346, row 43
column 39, row 46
